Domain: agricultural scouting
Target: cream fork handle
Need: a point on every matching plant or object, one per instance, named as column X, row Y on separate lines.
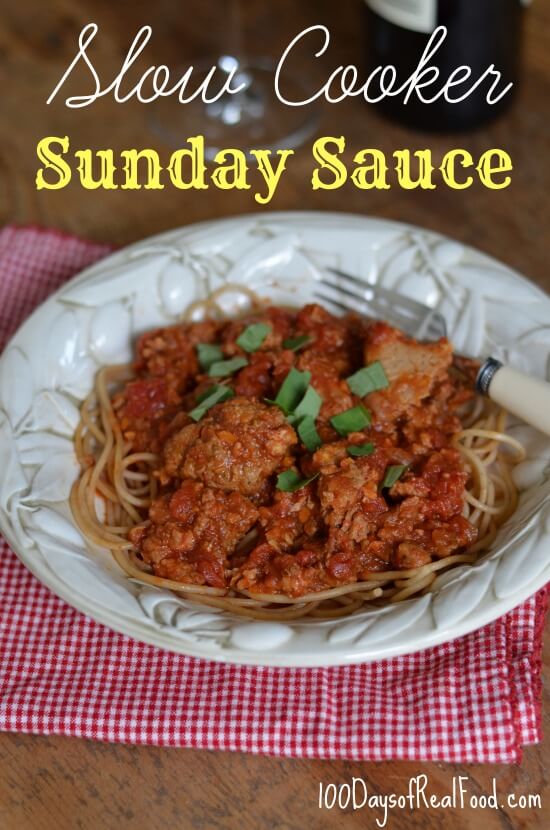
column 526, row 397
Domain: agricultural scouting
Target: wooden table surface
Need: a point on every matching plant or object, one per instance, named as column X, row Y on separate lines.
column 48, row 783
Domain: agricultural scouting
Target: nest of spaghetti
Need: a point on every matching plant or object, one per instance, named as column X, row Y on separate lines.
column 291, row 463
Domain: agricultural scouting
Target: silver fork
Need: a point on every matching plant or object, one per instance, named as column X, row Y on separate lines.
column 526, row 397
column 414, row 318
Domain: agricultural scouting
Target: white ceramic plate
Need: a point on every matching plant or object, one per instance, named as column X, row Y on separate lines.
column 50, row 363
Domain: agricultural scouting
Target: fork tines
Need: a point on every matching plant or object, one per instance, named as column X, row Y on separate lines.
column 350, row 293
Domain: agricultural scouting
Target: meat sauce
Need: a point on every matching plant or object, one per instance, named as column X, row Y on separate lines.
column 219, row 473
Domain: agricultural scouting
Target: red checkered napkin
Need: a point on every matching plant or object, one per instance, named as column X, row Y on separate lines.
column 475, row 699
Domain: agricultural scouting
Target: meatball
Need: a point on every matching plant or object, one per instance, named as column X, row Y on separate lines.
column 236, row 447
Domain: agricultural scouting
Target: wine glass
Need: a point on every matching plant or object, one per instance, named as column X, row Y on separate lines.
column 251, row 118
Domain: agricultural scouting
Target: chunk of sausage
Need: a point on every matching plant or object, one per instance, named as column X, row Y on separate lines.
column 292, row 519
column 330, row 334
column 193, row 531
column 171, row 352
column 264, row 374
column 412, row 368
column 350, row 495
column 294, row 574
column 279, row 321
column 440, row 481
column 334, row 391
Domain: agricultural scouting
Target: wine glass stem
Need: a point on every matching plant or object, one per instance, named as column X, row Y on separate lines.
column 248, row 104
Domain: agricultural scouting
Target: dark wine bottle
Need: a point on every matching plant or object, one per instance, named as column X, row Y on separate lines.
column 479, row 33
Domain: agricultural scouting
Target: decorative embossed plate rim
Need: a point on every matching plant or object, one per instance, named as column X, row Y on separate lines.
column 91, row 321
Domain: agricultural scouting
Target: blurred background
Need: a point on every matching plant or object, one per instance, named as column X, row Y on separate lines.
column 38, row 40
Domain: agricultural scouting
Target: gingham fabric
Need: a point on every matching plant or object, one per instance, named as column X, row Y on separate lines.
column 475, row 699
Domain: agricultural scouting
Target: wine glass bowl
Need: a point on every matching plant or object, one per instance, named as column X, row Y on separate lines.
column 247, row 114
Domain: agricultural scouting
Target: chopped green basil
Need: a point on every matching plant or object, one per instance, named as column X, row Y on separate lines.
column 253, row 336
column 352, row 420
column 308, row 433
column 208, row 353
column 359, row 450
column 309, row 405
column 216, row 394
column 224, row 368
column 292, row 391
column 297, row 343
column 205, row 393
column 368, row 379
column 290, row 481
column 393, row 474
